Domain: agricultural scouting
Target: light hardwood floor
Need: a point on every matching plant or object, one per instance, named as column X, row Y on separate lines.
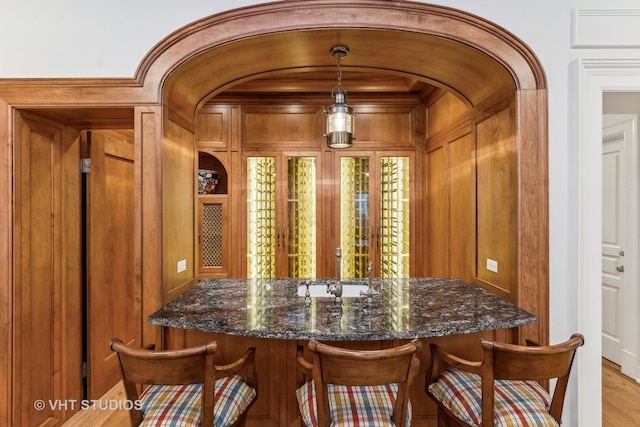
column 620, row 403
column 100, row 418
column 620, row 398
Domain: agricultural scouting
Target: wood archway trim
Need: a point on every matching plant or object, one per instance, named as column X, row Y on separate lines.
column 209, row 55
column 441, row 28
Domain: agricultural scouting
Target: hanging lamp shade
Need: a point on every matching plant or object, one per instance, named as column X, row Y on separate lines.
column 340, row 117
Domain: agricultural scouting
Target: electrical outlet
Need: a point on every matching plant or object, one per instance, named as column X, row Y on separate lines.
column 492, row 265
column 182, row 265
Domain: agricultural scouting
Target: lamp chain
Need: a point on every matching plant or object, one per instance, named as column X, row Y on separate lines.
column 339, row 60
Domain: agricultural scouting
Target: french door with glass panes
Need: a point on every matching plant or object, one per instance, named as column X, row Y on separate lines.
column 375, row 210
column 282, row 214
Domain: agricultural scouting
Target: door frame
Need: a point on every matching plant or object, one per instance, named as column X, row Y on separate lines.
column 629, row 330
column 595, row 76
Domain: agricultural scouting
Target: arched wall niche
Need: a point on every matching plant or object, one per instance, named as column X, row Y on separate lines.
column 456, row 51
column 210, row 161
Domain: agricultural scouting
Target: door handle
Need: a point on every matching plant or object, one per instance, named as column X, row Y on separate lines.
column 278, row 234
column 620, row 269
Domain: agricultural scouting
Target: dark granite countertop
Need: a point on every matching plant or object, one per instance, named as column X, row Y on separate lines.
column 403, row 308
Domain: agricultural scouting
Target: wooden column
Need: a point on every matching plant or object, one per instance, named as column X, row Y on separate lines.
column 148, row 216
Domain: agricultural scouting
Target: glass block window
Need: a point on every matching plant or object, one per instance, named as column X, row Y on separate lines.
column 302, row 214
column 261, row 217
column 394, row 217
column 354, row 216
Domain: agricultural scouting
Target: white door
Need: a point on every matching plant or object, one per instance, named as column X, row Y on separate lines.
column 619, row 320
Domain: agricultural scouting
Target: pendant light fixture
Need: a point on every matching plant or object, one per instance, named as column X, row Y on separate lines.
column 340, row 123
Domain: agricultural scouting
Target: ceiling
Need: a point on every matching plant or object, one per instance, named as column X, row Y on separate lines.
column 380, row 63
column 359, row 85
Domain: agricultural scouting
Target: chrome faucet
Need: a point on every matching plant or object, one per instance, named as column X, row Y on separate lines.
column 336, row 288
column 370, row 291
column 307, row 295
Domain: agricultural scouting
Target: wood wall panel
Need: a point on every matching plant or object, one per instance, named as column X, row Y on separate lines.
column 213, row 127
column 6, row 247
column 47, row 283
column 384, row 127
column 147, row 222
column 437, row 205
column 237, row 206
column 497, row 194
column 178, row 209
column 533, row 222
column 40, row 288
column 445, row 110
column 472, row 194
column 111, row 288
column 462, row 197
column 381, row 127
column 72, row 266
column 270, row 126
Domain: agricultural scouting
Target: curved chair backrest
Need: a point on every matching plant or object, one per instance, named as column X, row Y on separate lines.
column 335, row 365
column 532, row 362
column 193, row 365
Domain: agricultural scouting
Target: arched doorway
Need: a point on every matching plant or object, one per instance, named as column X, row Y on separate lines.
column 462, row 54
column 492, row 73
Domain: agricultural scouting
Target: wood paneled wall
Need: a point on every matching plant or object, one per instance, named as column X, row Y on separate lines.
column 6, row 278
column 269, row 127
column 148, row 199
column 178, row 209
column 47, row 293
column 471, row 187
column 497, row 199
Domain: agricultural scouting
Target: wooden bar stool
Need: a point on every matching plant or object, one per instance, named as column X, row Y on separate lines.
column 502, row 389
column 186, row 388
column 354, row 387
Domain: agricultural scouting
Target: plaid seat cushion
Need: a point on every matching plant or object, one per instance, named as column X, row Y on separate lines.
column 351, row 406
column 179, row 405
column 517, row 403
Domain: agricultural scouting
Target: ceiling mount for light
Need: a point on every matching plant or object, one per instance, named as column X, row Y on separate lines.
column 340, row 117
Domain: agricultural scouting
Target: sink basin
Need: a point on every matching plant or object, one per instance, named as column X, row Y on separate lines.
column 320, row 291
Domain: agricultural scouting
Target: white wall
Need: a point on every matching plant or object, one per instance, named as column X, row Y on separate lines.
column 109, row 38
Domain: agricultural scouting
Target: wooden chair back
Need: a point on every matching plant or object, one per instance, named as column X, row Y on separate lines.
column 335, row 365
column 503, row 361
column 532, row 362
column 194, row 365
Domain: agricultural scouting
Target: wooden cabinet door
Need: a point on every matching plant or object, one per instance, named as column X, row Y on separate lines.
column 282, row 214
column 113, row 304
column 47, row 292
column 374, row 213
column 213, row 236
